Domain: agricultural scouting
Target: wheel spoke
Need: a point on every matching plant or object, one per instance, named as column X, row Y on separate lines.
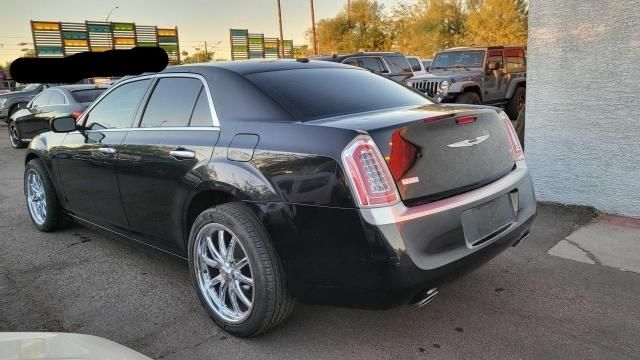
column 233, row 298
column 231, row 249
column 242, row 263
column 241, row 295
column 224, row 285
column 210, row 262
column 216, row 280
column 245, row 280
column 221, row 246
column 213, row 250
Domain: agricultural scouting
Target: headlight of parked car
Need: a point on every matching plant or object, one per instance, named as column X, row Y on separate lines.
column 444, row 86
column 2, row 102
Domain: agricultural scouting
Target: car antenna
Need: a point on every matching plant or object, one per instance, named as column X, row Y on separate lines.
column 302, row 60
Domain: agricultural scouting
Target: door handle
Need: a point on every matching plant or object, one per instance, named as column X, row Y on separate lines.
column 107, row 150
column 182, row 154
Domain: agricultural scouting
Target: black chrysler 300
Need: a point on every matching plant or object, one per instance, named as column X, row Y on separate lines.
column 284, row 180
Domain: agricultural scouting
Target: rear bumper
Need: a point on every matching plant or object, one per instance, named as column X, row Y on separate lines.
column 398, row 252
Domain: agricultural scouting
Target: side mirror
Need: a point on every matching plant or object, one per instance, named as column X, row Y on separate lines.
column 63, row 124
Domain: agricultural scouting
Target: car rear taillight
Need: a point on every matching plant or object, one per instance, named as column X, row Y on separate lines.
column 515, row 148
column 369, row 175
column 402, row 155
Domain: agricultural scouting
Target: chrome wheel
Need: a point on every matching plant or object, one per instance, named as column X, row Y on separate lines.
column 36, row 197
column 13, row 135
column 224, row 274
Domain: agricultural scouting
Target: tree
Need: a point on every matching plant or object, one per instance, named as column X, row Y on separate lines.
column 198, row 57
column 498, row 22
column 363, row 27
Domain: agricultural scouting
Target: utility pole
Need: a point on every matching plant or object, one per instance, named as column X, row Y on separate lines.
column 313, row 29
column 348, row 14
column 281, row 35
column 206, row 53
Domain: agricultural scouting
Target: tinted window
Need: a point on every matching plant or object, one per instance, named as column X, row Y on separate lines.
column 57, row 98
column 415, row 64
column 317, row 93
column 452, row 59
column 201, row 113
column 371, row 63
column 86, row 96
column 42, row 99
column 172, row 102
column 118, row 109
column 400, row 63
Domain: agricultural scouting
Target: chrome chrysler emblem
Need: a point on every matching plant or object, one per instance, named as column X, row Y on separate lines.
column 469, row 142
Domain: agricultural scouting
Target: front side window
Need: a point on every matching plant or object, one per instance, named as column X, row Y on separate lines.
column 351, row 61
column 42, row 99
column 57, row 98
column 172, row 102
column 415, row 64
column 118, row 109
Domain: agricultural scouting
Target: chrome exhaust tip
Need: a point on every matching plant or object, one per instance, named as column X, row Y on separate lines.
column 426, row 298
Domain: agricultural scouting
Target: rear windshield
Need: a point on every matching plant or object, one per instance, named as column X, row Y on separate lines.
column 86, row 96
column 318, row 93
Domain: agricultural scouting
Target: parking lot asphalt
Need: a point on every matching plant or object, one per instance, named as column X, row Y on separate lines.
column 524, row 304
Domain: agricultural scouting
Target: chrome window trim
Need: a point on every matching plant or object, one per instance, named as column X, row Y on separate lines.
column 166, row 128
column 212, row 109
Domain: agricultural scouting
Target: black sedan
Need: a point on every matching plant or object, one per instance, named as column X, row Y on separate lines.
column 288, row 180
column 34, row 119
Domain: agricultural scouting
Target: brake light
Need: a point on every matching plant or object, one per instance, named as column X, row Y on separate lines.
column 465, row 120
column 76, row 114
column 369, row 175
column 402, row 155
column 515, row 148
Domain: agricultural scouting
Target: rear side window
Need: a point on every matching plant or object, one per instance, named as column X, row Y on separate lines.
column 515, row 60
column 415, row 64
column 371, row 63
column 86, row 96
column 57, row 98
column 202, row 112
column 118, row 108
column 42, row 99
column 172, row 102
column 400, row 63
column 317, row 93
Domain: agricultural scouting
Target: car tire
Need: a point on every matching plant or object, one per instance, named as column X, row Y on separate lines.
column 516, row 103
column 42, row 200
column 14, row 136
column 469, row 98
column 267, row 301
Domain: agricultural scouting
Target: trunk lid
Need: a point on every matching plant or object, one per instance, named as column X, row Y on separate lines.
column 436, row 151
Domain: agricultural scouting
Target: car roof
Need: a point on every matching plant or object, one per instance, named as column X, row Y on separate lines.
column 339, row 57
column 481, row 48
column 244, row 67
column 79, row 87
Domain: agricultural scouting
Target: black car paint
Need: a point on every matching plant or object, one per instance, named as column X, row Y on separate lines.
column 297, row 187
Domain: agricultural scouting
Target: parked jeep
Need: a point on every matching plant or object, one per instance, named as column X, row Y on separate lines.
column 493, row 75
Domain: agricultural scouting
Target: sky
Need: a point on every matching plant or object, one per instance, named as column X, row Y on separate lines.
column 197, row 20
